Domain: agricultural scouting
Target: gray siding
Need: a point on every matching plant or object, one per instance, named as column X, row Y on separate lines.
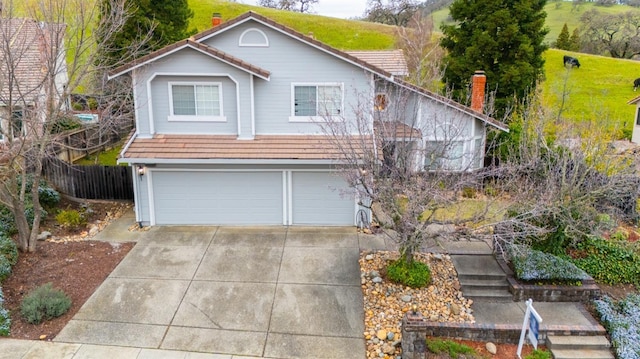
column 290, row 61
column 182, row 66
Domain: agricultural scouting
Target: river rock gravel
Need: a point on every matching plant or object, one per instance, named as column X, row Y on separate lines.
column 385, row 302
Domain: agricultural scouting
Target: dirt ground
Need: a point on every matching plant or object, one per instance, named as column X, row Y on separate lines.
column 78, row 266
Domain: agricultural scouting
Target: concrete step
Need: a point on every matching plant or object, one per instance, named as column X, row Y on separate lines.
column 484, row 283
column 581, row 354
column 488, row 295
column 578, row 342
column 481, row 276
column 477, row 267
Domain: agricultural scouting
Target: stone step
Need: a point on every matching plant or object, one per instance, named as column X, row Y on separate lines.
column 488, row 295
column 581, row 354
column 578, row 342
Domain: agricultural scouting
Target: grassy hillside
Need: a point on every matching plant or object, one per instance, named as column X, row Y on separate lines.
column 596, row 94
column 558, row 13
column 339, row 33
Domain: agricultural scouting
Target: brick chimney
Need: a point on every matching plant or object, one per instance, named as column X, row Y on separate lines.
column 478, row 82
column 216, row 19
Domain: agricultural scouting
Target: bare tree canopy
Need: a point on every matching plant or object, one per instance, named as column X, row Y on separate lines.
column 422, row 52
column 616, row 34
column 391, row 12
column 37, row 77
column 305, row 6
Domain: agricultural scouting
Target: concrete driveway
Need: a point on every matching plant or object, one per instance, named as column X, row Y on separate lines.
column 272, row 292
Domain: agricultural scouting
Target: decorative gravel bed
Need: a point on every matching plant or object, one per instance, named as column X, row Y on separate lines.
column 385, row 303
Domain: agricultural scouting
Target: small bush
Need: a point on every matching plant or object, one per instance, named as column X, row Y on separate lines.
column 469, row 192
column 5, row 318
column 8, row 249
column 414, row 274
column 44, row 303
column 609, row 262
column 533, row 265
column 92, row 103
column 622, row 320
column 7, row 223
column 70, row 218
column 453, row 349
column 5, row 268
column 538, row 354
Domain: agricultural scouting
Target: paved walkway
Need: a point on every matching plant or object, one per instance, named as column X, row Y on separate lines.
column 226, row 292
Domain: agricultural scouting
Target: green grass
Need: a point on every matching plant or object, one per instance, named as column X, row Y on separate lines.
column 104, row 158
column 598, row 91
column 558, row 13
column 339, row 33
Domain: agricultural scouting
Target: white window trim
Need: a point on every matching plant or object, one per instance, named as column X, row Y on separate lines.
column 195, row 118
column 242, row 43
column 294, row 118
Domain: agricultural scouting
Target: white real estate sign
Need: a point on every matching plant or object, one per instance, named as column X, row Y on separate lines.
column 530, row 327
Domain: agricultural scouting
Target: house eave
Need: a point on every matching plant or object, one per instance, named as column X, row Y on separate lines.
column 224, row 161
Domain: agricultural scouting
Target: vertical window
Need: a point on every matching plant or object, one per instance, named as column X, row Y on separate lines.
column 189, row 101
column 317, row 100
column 638, row 116
column 17, row 126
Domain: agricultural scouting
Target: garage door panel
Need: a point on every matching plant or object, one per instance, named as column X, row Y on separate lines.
column 321, row 198
column 201, row 197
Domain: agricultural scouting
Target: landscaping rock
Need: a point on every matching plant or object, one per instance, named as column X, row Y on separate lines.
column 368, row 257
column 406, row 298
column 455, row 309
column 491, row 348
column 377, row 280
column 43, row 235
column 381, row 334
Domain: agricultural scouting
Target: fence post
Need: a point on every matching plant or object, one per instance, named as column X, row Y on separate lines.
column 414, row 335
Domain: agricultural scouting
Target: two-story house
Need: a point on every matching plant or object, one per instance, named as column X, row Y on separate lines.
column 33, row 74
column 227, row 126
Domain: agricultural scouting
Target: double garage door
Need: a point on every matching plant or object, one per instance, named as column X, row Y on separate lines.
column 251, row 198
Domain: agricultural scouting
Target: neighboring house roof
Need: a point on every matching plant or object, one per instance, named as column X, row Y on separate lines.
column 30, row 43
column 634, row 101
column 220, row 147
column 190, row 43
column 389, row 60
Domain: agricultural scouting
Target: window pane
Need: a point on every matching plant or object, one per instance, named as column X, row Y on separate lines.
column 329, row 100
column 208, row 100
column 305, row 101
column 16, row 123
column 183, row 100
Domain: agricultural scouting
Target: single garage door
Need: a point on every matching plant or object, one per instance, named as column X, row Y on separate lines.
column 321, row 198
column 205, row 197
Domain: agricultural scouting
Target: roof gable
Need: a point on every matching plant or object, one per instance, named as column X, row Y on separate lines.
column 202, row 48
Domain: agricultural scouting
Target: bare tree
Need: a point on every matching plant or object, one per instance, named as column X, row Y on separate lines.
column 561, row 188
column 38, row 74
column 616, row 34
column 404, row 156
column 422, row 52
column 304, row 6
column 391, row 12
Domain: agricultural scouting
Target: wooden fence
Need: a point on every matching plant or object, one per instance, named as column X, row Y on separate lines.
column 90, row 182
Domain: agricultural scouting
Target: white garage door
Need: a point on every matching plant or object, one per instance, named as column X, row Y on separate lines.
column 321, row 198
column 204, row 197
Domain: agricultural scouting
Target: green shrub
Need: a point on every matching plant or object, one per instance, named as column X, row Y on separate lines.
column 469, row 192
column 532, row 265
column 538, row 354
column 610, row 262
column 7, row 223
column 8, row 249
column 453, row 349
column 92, row 103
column 44, row 303
column 64, row 124
column 414, row 274
column 5, row 318
column 5, row 268
column 70, row 218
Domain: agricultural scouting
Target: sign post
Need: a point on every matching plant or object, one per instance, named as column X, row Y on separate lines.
column 530, row 327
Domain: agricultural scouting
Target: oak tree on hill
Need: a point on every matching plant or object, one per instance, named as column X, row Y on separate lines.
column 502, row 38
column 616, row 34
column 303, row 6
column 391, row 12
